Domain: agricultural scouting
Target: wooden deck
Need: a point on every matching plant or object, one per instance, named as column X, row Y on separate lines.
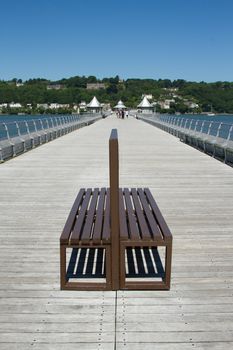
column 195, row 195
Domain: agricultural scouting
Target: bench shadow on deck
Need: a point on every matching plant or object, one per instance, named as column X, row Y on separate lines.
column 115, row 238
column 90, row 263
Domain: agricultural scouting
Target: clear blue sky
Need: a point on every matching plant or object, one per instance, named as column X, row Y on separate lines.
column 186, row 39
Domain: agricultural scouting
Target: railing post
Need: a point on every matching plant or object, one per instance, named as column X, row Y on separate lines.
column 202, row 126
column 210, row 125
column 7, row 131
column 219, row 128
column 34, row 123
column 47, row 122
column 186, row 121
column 195, row 129
column 114, row 209
column 190, row 125
column 17, row 127
column 230, row 132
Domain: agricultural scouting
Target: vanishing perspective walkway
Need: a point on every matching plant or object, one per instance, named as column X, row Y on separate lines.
column 195, row 195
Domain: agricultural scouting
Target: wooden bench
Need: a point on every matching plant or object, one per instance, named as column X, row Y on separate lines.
column 116, row 238
column 145, row 242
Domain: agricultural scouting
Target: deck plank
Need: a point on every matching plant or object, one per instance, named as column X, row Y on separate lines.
column 194, row 194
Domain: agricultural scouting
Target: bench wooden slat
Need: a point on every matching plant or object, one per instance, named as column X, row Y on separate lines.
column 122, row 217
column 134, row 231
column 151, row 220
column 106, row 226
column 141, row 219
column 75, row 237
column 162, row 223
column 99, row 216
column 86, row 234
column 71, row 218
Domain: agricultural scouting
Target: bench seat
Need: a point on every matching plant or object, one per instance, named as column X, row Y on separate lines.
column 87, row 227
column 115, row 238
column 143, row 231
column 89, row 218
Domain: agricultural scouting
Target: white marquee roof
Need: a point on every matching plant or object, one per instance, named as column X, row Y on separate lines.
column 94, row 103
column 145, row 103
column 120, row 105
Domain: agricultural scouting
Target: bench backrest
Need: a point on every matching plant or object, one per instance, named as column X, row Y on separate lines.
column 114, row 208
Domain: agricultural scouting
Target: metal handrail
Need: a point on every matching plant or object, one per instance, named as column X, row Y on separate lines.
column 182, row 122
column 55, row 121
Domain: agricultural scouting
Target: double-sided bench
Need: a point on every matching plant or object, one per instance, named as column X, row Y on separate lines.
column 115, row 238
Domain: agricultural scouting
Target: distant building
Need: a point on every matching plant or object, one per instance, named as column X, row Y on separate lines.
column 191, row 104
column 76, row 108
column 83, row 106
column 15, row 105
column 106, row 106
column 171, row 89
column 94, row 106
column 145, row 106
column 42, row 105
column 55, row 87
column 3, row 105
column 58, row 105
column 165, row 104
column 120, row 105
column 95, row 86
column 149, row 96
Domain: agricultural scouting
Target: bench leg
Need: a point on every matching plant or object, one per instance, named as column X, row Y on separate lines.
column 63, row 279
column 168, row 264
column 65, row 284
column 122, row 266
column 108, row 266
column 143, row 284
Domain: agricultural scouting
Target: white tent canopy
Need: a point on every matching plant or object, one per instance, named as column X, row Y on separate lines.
column 94, row 103
column 144, row 103
column 120, row 105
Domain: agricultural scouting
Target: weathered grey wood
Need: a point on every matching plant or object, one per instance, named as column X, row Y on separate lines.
column 58, row 346
column 176, row 346
column 195, row 195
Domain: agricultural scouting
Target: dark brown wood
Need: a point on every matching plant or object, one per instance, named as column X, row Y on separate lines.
column 144, row 228
column 142, row 212
column 168, row 264
column 87, row 229
column 119, row 223
column 160, row 219
column 66, row 285
column 156, row 233
column 114, row 208
column 133, row 228
column 75, row 238
column 63, row 266
column 123, row 217
column 106, row 226
column 99, row 216
column 71, row 218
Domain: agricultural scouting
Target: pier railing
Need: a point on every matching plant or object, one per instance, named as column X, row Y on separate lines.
column 20, row 136
column 212, row 137
column 213, row 128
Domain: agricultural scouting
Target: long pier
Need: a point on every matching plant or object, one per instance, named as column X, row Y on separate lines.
column 195, row 195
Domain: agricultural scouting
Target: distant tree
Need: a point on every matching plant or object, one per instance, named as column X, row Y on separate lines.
column 112, row 88
column 91, row 79
column 34, row 91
